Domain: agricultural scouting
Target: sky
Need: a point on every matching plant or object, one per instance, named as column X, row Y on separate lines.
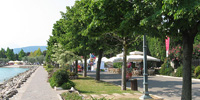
column 29, row 22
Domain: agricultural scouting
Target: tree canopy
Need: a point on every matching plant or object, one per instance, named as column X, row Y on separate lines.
column 87, row 25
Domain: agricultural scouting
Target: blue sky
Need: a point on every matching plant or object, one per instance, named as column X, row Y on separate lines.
column 29, row 22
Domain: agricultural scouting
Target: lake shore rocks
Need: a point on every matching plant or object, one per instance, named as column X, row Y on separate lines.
column 9, row 87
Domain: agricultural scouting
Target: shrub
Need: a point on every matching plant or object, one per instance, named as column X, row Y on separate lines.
column 166, row 69
column 72, row 74
column 193, row 69
column 49, row 66
column 71, row 96
column 179, row 71
column 197, row 72
column 117, row 65
column 58, row 78
column 49, row 70
column 68, row 85
column 52, row 82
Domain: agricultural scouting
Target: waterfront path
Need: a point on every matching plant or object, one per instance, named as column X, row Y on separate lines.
column 36, row 88
column 167, row 87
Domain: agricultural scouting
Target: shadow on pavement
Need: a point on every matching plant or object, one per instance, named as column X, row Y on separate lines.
column 165, row 87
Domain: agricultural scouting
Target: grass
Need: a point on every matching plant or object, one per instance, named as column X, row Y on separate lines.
column 89, row 86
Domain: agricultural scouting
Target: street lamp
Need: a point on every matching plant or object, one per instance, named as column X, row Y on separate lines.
column 145, row 74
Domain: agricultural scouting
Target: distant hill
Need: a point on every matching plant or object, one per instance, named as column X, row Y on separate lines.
column 29, row 49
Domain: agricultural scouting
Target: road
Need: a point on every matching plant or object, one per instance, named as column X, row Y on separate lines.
column 167, row 87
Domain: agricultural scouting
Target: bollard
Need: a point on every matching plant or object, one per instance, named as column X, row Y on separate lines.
column 134, row 85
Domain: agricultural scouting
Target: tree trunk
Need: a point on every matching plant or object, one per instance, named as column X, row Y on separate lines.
column 123, row 82
column 188, row 40
column 76, row 67
column 99, row 64
column 85, row 67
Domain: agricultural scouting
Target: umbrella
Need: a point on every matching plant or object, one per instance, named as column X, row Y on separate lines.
column 136, row 53
column 135, row 56
column 139, row 58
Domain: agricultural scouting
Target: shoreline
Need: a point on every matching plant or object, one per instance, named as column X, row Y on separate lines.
column 9, row 87
column 18, row 66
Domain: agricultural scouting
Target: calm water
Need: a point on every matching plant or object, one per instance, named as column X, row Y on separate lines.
column 7, row 73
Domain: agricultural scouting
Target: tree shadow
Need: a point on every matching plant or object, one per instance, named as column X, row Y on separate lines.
column 168, row 88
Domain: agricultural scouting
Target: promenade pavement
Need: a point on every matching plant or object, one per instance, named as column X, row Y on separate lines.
column 167, row 87
column 36, row 88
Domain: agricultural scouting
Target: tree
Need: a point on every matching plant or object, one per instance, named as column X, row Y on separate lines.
column 3, row 61
column 178, row 18
column 16, row 57
column 63, row 57
column 74, row 38
column 10, row 54
column 21, row 54
column 31, row 54
column 44, row 52
column 157, row 47
column 40, row 59
column 2, row 53
column 116, row 24
column 37, row 52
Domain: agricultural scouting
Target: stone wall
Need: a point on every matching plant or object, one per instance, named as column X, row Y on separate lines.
column 9, row 87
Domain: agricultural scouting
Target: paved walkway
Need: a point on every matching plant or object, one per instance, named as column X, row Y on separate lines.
column 167, row 87
column 36, row 88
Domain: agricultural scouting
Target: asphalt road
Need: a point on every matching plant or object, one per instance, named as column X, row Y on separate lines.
column 167, row 87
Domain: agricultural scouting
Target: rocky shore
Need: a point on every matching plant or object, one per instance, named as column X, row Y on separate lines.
column 9, row 87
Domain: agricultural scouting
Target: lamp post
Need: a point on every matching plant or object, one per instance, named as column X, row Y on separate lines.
column 145, row 74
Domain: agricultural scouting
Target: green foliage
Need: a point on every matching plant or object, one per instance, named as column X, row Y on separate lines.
column 166, row 69
column 68, row 85
column 198, row 77
column 193, row 69
column 10, row 54
column 3, row 61
column 157, row 47
column 197, row 71
column 62, row 56
column 21, row 54
column 32, row 60
column 179, row 71
column 117, row 65
column 196, row 52
column 58, row 78
column 71, row 96
column 49, row 70
column 72, row 74
column 36, row 53
column 52, row 82
column 103, row 98
column 2, row 53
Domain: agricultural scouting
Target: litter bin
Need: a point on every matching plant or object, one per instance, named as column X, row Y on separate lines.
column 134, row 85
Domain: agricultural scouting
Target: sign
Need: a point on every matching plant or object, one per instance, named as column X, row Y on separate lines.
column 167, row 45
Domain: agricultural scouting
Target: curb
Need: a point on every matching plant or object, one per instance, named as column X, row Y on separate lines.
column 159, row 98
column 59, row 97
column 177, row 77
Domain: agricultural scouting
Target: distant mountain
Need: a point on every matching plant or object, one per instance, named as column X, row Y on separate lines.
column 29, row 49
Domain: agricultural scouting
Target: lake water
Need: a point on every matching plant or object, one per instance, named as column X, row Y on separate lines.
column 7, row 73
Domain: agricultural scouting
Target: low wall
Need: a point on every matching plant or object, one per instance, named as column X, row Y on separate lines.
column 9, row 87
